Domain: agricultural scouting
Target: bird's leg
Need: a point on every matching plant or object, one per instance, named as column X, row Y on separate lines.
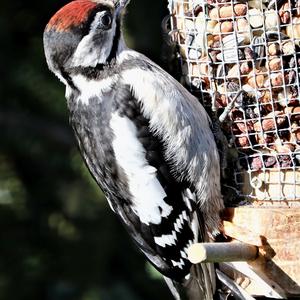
column 227, row 157
column 229, row 107
column 220, row 138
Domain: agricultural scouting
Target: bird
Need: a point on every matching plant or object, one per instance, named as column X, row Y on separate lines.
column 146, row 140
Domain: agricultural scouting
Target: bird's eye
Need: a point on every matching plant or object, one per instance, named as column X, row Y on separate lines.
column 106, row 20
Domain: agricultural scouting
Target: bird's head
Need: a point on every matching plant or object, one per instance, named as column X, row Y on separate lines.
column 84, row 33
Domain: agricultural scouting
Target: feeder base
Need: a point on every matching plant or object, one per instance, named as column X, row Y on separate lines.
column 278, row 265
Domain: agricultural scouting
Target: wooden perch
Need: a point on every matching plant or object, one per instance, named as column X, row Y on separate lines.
column 242, row 234
column 221, row 252
column 277, row 228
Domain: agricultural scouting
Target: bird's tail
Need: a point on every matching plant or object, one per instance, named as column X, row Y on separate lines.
column 199, row 285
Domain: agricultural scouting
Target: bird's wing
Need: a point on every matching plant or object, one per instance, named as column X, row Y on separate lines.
column 163, row 215
column 184, row 128
column 161, row 210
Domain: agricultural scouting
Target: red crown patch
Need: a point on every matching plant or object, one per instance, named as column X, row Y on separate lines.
column 72, row 14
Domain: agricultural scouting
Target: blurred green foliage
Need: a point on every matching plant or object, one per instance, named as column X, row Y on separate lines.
column 59, row 238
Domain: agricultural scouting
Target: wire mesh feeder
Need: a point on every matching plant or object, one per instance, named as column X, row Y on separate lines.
column 244, row 57
column 251, row 47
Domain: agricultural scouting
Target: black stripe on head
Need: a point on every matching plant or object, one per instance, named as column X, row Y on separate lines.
column 85, row 28
column 68, row 78
column 116, row 40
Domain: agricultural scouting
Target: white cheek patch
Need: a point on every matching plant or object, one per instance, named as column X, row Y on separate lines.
column 148, row 194
column 91, row 51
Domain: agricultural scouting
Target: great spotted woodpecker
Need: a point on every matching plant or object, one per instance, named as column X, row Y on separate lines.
column 145, row 139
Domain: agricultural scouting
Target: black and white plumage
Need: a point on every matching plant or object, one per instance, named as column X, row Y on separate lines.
column 145, row 139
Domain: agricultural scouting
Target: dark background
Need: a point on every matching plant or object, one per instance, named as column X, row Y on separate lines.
column 58, row 238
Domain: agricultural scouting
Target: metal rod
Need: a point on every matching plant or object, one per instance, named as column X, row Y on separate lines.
column 221, row 252
column 233, row 286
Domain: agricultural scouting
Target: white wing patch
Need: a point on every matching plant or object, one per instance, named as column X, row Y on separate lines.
column 166, row 239
column 178, row 224
column 179, row 264
column 148, row 195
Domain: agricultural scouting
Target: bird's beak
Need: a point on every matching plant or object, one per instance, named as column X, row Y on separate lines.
column 120, row 5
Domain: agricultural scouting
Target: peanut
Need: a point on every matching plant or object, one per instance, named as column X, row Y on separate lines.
column 276, row 80
column 242, row 141
column 273, row 49
column 271, row 20
column 293, row 31
column 256, row 19
column 275, row 64
column 228, row 11
column 240, row 9
column 256, row 163
column 288, row 48
column 255, row 79
column 244, row 68
column 284, row 13
column 226, row 26
column 296, row 133
column 268, row 123
column 234, row 72
column 283, row 147
column 294, row 111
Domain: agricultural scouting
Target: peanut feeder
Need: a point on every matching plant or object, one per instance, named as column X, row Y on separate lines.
column 250, row 51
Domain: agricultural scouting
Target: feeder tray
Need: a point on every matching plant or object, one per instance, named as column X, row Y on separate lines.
column 242, row 60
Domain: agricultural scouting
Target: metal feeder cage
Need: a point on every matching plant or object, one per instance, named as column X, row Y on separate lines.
column 248, row 52
column 241, row 59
